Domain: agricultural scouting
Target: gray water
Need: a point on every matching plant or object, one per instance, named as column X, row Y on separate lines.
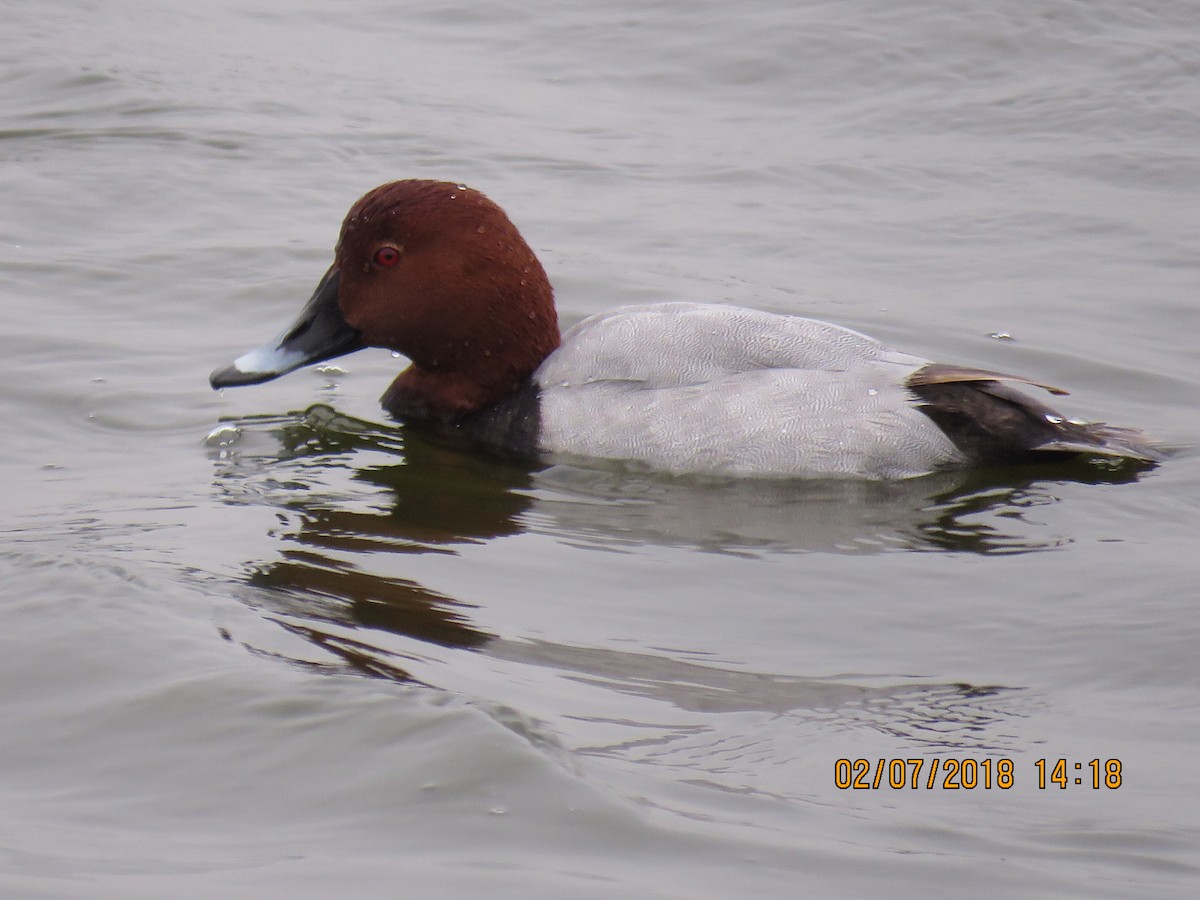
column 268, row 643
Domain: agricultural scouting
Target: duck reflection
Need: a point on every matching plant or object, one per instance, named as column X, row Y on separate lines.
column 941, row 715
column 981, row 511
column 354, row 498
column 399, row 493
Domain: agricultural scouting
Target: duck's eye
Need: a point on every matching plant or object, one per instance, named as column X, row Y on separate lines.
column 387, row 257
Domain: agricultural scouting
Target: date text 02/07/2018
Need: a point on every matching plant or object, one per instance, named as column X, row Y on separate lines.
column 969, row 773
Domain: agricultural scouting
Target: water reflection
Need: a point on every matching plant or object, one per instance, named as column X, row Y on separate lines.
column 360, row 487
column 980, row 511
column 345, row 490
column 945, row 715
column 355, row 500
column 425, row 492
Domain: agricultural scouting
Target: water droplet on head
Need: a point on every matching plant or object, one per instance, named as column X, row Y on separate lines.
column 461, row 187
column 1053, row 419
column 396, row 354
column 481, row 229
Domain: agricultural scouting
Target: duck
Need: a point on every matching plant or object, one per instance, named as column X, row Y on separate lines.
column 437, row 272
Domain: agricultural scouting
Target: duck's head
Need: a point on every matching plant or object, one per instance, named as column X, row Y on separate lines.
column 437, row 272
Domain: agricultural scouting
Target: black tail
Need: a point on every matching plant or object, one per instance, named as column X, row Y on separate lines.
column 992, row 422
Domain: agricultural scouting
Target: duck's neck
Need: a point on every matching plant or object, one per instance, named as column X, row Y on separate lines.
column 448, row 393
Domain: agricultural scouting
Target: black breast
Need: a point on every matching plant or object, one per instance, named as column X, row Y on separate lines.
column 513, row 425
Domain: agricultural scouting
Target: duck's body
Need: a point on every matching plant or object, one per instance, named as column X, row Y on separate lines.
column 735, row 391
column 437, row 272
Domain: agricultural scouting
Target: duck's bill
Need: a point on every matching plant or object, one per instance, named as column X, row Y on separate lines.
column 320, row 333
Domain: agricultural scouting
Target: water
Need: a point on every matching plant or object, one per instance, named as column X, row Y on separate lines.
column 268, row 643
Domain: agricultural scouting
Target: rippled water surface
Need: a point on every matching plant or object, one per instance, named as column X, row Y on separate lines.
column 268, row 643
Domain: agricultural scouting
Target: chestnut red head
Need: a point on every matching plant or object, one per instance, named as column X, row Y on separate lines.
column 437, row 272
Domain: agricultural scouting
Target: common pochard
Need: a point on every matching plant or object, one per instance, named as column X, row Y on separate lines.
column 437, row 272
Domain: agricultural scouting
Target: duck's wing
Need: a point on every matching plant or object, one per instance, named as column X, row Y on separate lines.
column 676, row 344
column 941, row 373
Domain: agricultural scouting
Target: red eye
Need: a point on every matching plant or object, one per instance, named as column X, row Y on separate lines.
column 387, row 257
